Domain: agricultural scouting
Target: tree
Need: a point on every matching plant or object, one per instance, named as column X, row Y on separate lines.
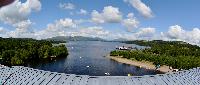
column 19, row 51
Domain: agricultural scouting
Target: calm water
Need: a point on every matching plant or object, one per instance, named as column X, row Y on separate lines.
column 91, row 53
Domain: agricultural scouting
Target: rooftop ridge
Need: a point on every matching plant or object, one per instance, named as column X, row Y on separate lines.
column 17, row 75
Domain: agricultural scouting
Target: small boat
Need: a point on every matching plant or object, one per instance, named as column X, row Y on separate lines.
column 107, row 73
column 124, row 48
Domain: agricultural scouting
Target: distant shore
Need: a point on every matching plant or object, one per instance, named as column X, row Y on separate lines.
column 142, row 64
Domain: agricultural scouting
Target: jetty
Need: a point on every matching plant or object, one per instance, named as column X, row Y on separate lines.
column 19, row 75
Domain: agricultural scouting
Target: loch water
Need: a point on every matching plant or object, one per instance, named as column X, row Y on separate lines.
column 88, row 58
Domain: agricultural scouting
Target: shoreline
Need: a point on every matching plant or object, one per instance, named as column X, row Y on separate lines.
column 141, row 64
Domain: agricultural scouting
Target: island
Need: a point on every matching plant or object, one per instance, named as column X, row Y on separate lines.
column 20, row 51
column 165, row 54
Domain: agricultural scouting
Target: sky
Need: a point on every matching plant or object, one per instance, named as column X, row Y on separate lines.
column 107, row 19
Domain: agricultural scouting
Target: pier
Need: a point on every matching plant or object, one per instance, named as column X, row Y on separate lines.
column 19, row 75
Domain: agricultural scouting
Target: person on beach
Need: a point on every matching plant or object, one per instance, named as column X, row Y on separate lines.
column 157, row 66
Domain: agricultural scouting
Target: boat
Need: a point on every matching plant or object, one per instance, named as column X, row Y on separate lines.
column 124, row 48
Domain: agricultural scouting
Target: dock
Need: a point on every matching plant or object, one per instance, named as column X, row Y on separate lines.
column 19, row 75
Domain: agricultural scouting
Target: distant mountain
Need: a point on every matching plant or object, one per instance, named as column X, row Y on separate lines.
column 120, row 39
column 75, row 38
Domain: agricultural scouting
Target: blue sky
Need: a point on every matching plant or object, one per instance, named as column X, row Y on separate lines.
column 166, row 13
column 150, row 19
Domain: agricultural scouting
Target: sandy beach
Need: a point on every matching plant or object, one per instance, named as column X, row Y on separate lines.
column 142, row 64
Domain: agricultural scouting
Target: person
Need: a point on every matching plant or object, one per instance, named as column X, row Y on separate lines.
column 157, row 66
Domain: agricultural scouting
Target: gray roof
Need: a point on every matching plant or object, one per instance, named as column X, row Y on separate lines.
column 19, row 75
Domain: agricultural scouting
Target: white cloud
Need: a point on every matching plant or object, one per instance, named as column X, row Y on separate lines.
column 142, row 34
column 82, row 12
column 131, row 22
column 16, row 15
column 146, row 32
column 130, row 15
column 113, row 15
column 80, row 21
column 17, row 34
column 66, row 23
column 141, row 7
column 18, row 11
column 68, row 6
column 176, row 32
column 23, row 26
column 58, row 28
column 94, row 31
column 61, row 24
column 109, row 14
column 194, row 36
column 97, row 17
column 2, row 30
column 30, row 5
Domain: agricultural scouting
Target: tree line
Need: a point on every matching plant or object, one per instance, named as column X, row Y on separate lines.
column 180, row 55
column 20, row 51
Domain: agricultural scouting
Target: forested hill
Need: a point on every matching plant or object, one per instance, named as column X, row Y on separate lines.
column 172, row 48
column 159, row 42
column 20, row 51
column 75, row 38
column 177, row 54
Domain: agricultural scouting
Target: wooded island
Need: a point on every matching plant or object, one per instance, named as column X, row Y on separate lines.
column 20, row 51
